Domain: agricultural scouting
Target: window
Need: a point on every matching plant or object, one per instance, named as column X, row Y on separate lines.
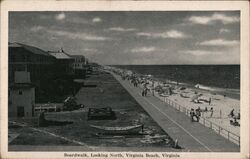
column 20, row 92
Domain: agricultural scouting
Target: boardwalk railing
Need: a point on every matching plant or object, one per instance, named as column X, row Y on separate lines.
column 218, row 129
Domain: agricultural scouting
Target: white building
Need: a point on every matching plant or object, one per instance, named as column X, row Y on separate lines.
column 80, row 61
column 80, row 65
column 21, row 96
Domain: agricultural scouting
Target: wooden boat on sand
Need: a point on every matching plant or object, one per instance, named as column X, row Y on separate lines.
column 119, row 130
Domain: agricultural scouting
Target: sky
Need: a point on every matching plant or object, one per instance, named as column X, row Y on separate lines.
column 134, row 37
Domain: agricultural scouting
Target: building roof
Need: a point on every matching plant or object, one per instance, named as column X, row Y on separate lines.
column 77, row 56
column 29, row 48
column 60, row 54
column 21, row 85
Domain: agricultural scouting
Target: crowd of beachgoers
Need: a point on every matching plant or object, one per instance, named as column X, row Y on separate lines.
column 217, row 108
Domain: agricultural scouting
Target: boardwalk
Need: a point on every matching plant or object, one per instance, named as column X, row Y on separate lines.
column 191, row 136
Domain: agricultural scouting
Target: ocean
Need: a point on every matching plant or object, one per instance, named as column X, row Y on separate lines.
column 220, row 76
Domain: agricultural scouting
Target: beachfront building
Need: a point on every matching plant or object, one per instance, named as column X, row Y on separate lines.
column 64, row 63
column 21, row 96
column 49, row 72
column 80, row 65
column 93, row 67
column 39, row 64
column 31, row 59
column 64, row 77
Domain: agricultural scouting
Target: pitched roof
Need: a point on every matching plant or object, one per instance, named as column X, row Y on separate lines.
column 29, row 48
column 60, row 55
column 77, row 56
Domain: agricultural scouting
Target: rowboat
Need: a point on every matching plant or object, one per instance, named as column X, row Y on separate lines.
column 119, row 130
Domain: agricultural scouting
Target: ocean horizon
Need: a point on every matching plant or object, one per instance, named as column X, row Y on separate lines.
column 221, row 76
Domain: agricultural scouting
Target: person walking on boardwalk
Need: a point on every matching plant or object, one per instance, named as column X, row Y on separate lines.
column 192, row 115
column 198, row 113
column 143, row 92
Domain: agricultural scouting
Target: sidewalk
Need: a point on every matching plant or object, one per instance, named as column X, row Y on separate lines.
column 191, row 136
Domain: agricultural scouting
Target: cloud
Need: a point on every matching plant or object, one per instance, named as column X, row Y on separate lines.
column 90, row 50
column 223, row 30
column 143, row 49
column 36, row 28
column 96, row 20
column 60, row 16
column 168, row 34
column 79, row 35
column 199, row 52
column 216, row 17
column 120, row 29
column 219, row 42
column 144, row 34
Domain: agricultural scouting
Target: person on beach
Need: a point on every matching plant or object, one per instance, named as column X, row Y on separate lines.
column 238, row 116
column 212, row 112
column 231, row 114
column 205, row 109
column 209, row 102
column 234, row 122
